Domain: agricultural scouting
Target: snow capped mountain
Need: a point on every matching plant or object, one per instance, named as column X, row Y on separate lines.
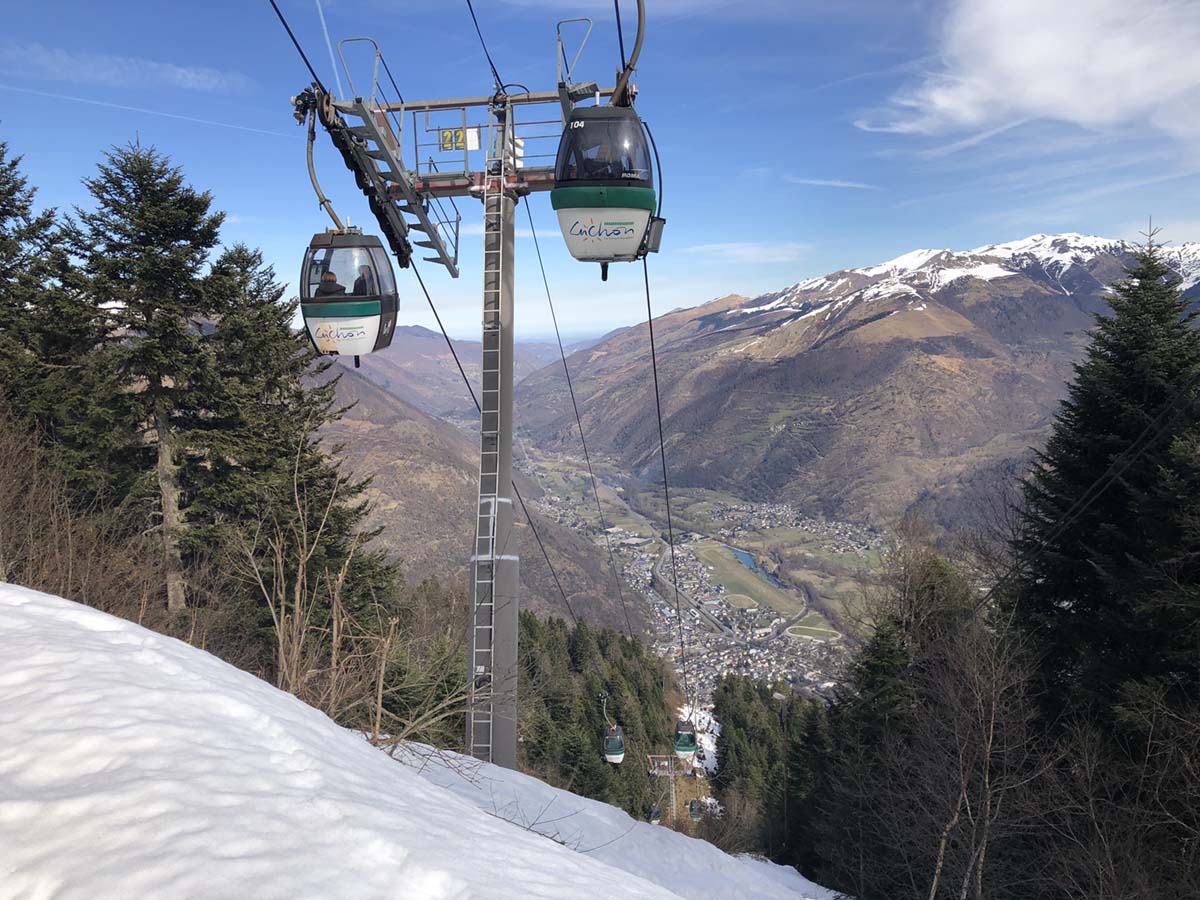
column 1064, row 263
column 134, row 765
column 918, row 383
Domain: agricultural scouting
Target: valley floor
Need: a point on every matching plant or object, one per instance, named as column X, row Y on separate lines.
column 736, row 616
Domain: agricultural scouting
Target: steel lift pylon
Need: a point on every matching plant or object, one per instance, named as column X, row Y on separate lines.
column 374, row 135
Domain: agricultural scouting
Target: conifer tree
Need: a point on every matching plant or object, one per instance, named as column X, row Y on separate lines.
column 143, row 248
column 251, row 429
column 48, row 330
column 1093, row 595
column 808, row 757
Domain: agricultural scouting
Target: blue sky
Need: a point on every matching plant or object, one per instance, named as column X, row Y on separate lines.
column 797, row 137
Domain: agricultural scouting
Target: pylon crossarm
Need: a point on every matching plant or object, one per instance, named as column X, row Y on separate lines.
column 518, row 99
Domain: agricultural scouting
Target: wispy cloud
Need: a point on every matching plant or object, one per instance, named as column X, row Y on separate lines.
column 908, row 66
column 1072, row 207
column 973, row 140
column 1093, row 63
column 753, row 251
column 148, row 112
column 833, row 183
column 55, row 64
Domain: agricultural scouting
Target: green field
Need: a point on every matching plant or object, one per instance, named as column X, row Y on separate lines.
column 803, row 631
column 741, row 601
column 837, row 578
column 737, row 579
column 814, row 625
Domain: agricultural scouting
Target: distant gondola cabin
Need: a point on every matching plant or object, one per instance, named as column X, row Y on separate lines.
column 604, row 184
column 614, row 745
column 348, row 294
column 685, row 740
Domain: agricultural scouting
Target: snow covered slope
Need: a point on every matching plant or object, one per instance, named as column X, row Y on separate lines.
column 690, row 867
column 133, row 765
column 1069, row 263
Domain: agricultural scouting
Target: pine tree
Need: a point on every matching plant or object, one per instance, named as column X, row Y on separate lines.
column 250, row 434
column 874, row 710
column 1090, row 593
column 808, row 756
column 49, row 331
column 143, row 250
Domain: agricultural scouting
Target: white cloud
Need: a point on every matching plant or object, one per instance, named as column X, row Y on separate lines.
column 753, row 251
column 1093, row 63
column 833, row 183
column 55, row 64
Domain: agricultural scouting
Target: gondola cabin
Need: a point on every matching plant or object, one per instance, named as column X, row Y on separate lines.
column 614, row 745
column 348, row 294
column 604, row 185
column 685, row 740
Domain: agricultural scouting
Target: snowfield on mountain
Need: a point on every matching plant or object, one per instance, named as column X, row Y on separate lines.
column 134, row 765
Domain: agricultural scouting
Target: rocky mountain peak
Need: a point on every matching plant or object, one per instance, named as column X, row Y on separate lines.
column 1063, row 263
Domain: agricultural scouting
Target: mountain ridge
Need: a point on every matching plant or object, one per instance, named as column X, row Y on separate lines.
column 918, row 383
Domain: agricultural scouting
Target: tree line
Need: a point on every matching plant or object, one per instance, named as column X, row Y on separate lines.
column 1042, row 738
column 162, row 426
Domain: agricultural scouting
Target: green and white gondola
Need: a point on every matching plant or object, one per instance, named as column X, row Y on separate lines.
column 685, row 740
column 604, row 186
column 614, row 745
column 348, row 294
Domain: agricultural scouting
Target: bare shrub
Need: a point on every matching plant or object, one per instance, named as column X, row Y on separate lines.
column 736, row 828
column 369, row 671
column 49, row 545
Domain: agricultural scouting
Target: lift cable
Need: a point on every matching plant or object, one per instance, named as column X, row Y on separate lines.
column 1153, row 430
column 620, row 95
column 299, row 49
column 662, row 449
column 475, row 400
column 579, row 421
column 620, row 34
column 483, row 44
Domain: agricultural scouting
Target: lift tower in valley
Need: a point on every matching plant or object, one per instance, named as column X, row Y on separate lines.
column 412, row 159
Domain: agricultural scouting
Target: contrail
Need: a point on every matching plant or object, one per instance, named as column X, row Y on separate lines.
column 329, row 46
column 149, row 112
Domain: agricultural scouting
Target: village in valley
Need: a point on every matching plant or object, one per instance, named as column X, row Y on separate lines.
column 733, row 612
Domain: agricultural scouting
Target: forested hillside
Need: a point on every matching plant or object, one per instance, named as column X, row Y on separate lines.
column 565, row 672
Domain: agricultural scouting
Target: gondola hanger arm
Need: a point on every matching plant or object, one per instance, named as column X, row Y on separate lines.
column 622, row 95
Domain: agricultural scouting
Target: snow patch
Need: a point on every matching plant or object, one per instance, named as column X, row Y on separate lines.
column 907, row 262
column 708, row 729
column 134, row 765
column 982, row 272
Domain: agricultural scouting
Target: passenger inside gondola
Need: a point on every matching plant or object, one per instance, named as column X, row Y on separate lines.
column 364, row 284
column 329, row 286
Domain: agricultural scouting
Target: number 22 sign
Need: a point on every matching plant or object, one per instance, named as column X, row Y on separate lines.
column 452, row 139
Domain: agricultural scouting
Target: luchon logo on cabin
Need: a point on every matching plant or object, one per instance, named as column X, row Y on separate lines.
column 335, row 332
column 602, row 231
